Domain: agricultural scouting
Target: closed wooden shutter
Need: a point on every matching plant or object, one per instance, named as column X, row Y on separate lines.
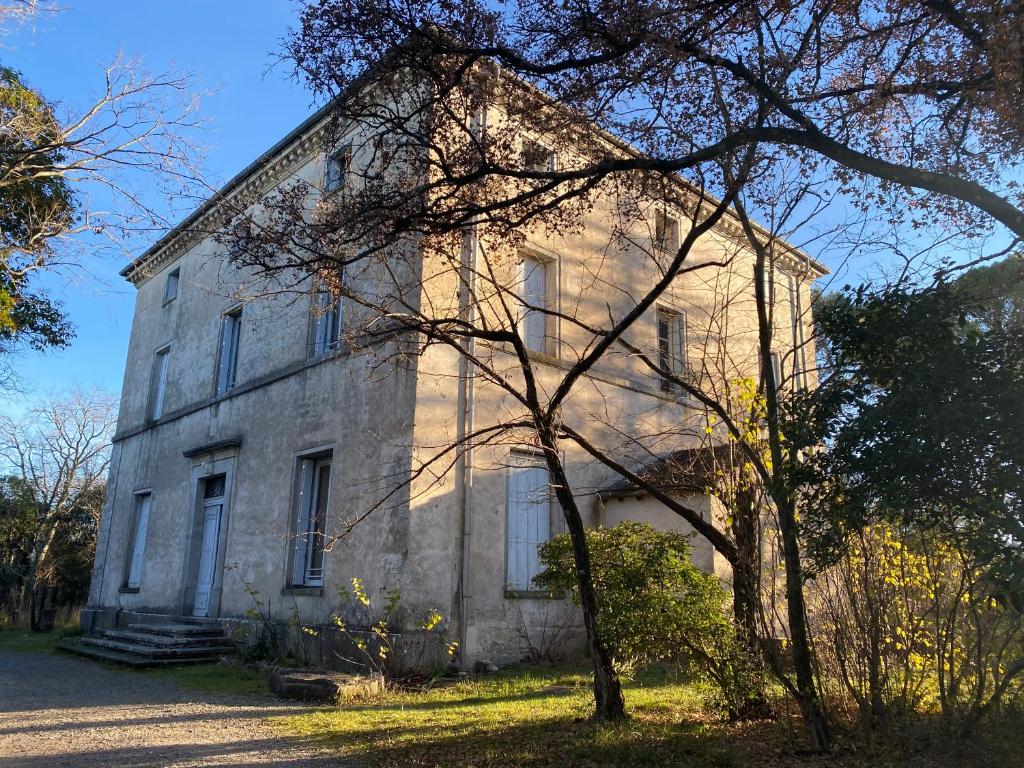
column 142, row 505
column 535, row 295
column 529, row 519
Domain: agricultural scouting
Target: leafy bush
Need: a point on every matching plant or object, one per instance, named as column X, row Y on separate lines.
column 907, row 620
column 654, row 604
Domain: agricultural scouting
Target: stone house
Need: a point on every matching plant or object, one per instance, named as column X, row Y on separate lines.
column 248, row 430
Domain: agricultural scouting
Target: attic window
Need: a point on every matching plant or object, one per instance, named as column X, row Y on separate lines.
column 537, row 158
column 666, row 232
column 338, row 164
column 171, row 285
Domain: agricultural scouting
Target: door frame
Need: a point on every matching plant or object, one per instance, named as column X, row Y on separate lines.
column 193, row 539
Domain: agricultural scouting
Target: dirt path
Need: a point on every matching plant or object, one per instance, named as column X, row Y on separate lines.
column 61, row 711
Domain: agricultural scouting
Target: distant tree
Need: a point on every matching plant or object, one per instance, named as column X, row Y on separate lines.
column 56, row 460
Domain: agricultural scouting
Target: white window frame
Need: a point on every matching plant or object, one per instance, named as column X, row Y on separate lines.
column 135, row 550
column 227, row 355
column 337, row 168
column 171, row 285
column 671, row 347
column 527, row 525
column 312, row 507
column 667, row 232
column 158, row 388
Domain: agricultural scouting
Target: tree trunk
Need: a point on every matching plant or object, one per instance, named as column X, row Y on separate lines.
column 746, row 597
column 807, row 695
column 608, row 701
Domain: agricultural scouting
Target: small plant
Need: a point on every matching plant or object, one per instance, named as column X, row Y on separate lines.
column 269, row 646
column 375, row 640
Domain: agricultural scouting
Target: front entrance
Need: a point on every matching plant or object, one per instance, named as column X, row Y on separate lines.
column 209, row 550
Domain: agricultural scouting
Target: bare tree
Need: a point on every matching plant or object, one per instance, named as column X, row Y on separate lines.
column 59, row 452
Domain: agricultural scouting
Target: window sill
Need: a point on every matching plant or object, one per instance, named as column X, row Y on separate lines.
column 128, row 590
column 532, row 594
column 302, row 591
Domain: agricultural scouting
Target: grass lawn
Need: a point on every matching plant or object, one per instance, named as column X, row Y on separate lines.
column 538, row 717
column 207, row 678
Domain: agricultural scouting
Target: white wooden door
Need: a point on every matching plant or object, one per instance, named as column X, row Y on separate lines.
column 208, row 557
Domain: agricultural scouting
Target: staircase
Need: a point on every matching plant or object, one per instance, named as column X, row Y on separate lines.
column 153, row 645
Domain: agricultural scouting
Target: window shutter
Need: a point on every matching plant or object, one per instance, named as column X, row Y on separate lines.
column 139, row 540
column 535, row 295
column 302, row 522
column 528, row 520
column 160, row 384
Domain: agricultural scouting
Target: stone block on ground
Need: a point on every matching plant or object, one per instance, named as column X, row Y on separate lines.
column 323, row 687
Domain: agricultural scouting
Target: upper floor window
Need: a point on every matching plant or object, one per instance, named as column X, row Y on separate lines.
column 311, row 521
column 666, row 232
column 528, row 516
column 159, row 385
column 534, row 280
column 338, row 165
column 171, row 285
column 139, row 524
column 327, row 317
column 796, row 316
column 227, row 361
column 671, row 345
column 537, row 157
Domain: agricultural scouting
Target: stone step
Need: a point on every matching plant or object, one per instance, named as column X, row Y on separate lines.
column 160, row 652
column 129, row 659
column 178, row 630
column 164, row 641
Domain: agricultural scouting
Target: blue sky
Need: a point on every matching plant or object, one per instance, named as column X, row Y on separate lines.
column 230, row 46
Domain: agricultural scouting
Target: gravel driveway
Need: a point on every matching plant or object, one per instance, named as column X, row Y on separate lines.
column 61, row 711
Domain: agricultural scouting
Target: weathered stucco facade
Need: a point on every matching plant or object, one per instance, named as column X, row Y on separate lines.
column 441, row 539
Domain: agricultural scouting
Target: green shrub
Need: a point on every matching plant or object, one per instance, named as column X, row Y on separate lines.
column 654, row 604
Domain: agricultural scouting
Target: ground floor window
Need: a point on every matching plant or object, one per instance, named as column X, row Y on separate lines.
column 137, row 539
column 311, row 521
column 528, row 518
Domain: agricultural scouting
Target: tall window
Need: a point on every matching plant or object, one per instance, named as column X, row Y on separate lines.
column 533, row 291
column 528, row 505
column 171, row 285
column 666, row 232
column 799, row 335
column 671, row 345
column 137, row 540
column 338, row 165
column 227, row 361
column 159, row 386
column 311, row 521
column 326, row 319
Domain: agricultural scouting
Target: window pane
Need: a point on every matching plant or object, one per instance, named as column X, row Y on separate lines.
column 213, row 487
column 228, row 361
column 171, row 286
column 337, row 169
column 159, row 384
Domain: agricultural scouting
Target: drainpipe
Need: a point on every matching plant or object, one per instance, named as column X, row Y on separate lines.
column 466, row 404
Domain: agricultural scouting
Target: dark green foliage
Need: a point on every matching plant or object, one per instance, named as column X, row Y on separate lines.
column 655, row 604
column 36, row 206
column 922, row 416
